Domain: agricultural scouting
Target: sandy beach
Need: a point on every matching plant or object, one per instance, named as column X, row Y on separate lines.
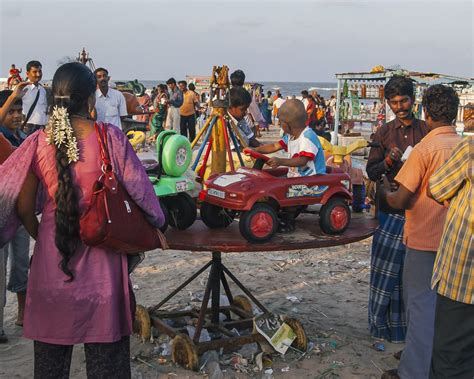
column 331, row 290
column 331, row 285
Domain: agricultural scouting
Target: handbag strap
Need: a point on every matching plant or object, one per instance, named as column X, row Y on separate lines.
column 101, row 133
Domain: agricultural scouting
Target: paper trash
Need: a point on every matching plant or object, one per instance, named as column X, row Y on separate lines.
column 277, row 333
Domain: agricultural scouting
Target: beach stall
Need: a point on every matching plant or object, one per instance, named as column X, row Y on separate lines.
column 360, row 103
column 202, row 84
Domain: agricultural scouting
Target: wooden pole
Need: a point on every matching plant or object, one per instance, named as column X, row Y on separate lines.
column 218, row 164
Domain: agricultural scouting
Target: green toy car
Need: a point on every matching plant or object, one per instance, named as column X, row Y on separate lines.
column 169, row 180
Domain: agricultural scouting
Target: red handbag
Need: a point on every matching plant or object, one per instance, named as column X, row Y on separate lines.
column 113, row 220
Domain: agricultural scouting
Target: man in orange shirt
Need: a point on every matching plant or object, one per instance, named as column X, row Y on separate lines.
column 423, row 227
column 187, row 111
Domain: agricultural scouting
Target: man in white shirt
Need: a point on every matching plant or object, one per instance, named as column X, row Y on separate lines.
column 110, row 105
column 35, row 102
column 304, row 95
column 276, row 106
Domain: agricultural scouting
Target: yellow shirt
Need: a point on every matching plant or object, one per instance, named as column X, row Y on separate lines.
column 453, row 270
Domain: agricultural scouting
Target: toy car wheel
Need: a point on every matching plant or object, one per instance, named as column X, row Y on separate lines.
column 216, row 217
column 181, row 210
column 334, row 216
column 142, row 323
column 259, row 224
column 176, row 155
column 166, row 214
column 358, row 202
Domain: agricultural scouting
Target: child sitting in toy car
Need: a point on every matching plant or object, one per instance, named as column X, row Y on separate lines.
column 306, row 156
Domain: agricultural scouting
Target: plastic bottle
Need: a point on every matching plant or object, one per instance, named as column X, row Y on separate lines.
column 345, row 89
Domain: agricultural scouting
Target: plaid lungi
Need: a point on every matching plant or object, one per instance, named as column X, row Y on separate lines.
column 386, row 308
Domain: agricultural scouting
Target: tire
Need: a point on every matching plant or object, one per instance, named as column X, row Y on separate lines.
column 181, row 210
column 176, row 155
column 259, row 224
column 142, row 323
column 301, row 341
column 166, row 214
column 358, row 202
column 216, row 217
column 184, row 352
column 334, row 216
column 243, row 302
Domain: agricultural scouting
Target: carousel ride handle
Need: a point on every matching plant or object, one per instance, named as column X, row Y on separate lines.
column 252, row 153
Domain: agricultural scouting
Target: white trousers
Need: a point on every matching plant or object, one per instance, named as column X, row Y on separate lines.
column 173, row 119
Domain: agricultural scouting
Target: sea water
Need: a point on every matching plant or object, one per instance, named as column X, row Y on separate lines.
column 325, row 89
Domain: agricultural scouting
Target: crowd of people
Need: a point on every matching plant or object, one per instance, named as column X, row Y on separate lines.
column 422, row 273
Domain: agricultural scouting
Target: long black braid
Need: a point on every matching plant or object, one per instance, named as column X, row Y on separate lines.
column 73, row 84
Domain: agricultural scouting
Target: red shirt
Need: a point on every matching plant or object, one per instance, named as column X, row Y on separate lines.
column 311, row 113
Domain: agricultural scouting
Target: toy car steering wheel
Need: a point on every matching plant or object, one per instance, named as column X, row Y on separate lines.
column 256, row 155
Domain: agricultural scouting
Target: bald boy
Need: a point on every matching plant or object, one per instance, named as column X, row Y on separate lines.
column 305, row 153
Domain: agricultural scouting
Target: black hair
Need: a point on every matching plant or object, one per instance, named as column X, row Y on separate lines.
column 97, row 70
column 269, row 93
column 192, row 87
column 4, row 95
column 399, row 86
column 305, row 93
column 171, row 81
column 239, row 96
column 162, row 87
column 73, row 84
column 441, row 103
column 183, row 82
column 31, row 64
column 237, row 78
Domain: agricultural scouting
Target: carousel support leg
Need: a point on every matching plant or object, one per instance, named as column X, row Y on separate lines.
column 218, row 163
column 201, row 132
column 215, row 278
column 202, row 312
column 212, row 286
column 245, row 290
column 203, row 145
column 202, row 171
column 236, row 144
column 225, row 284
column 227, row 145
column 177, row 290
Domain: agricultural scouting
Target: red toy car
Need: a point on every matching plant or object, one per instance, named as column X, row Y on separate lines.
column 258, row 196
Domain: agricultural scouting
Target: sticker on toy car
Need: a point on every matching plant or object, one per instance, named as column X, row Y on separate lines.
column 301, row 190
column 216, row 193
column 181, row 186
column 227, row 180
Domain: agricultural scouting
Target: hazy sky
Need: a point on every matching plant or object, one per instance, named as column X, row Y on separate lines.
column 269, row 40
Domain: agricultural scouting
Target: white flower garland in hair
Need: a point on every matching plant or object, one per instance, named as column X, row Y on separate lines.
column 60, row 132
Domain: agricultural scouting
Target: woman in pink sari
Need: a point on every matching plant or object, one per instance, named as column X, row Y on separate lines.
column 76, row 293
